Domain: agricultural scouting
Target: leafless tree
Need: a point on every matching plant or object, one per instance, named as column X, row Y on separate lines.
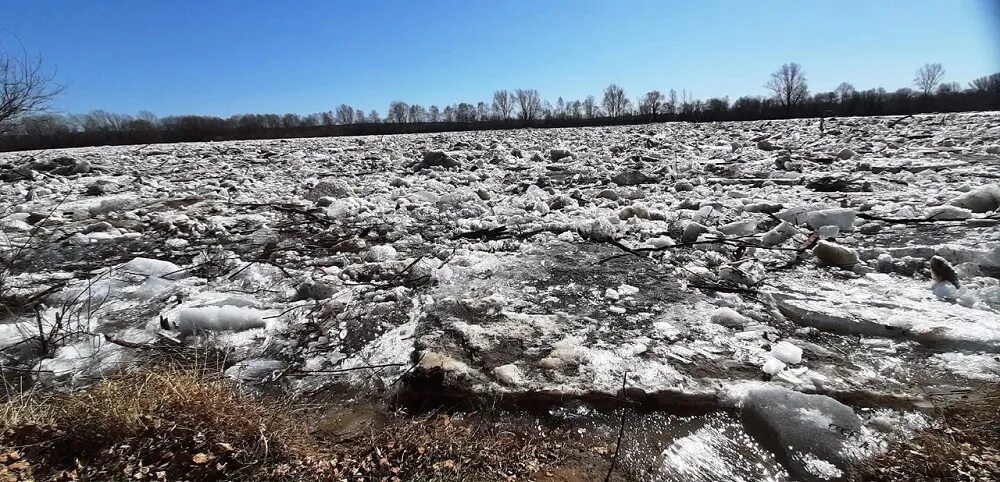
column 416, row 113
column 574, row 109
column 928, row 77
column 24, row 87
column 101, row 120
column 615, row 101
column 843, row 91
column 949, row 88
column 589, row 107
column 43, row 125
column 672, row 102
column 373, row 117
column 346, row 114
column 529, row 104
column 560, row 110
column 651, row 103
column 434, row 114
column 989, row 83
column 465, row 112
column 145, row 115
column 311, row 120
column 397, row 112
column 291, row 120
column 503, row 104
column 789, row 85
column 482, row 112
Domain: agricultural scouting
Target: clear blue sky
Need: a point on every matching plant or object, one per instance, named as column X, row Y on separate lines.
column 226, row 57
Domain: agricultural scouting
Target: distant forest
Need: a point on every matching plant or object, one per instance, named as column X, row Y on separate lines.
column 512, row 109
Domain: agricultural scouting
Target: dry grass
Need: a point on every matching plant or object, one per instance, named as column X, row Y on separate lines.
column 178, row 424
column 152, row 425
column 964, row 444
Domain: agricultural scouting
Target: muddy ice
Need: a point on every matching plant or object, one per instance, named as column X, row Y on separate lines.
column 765, row 284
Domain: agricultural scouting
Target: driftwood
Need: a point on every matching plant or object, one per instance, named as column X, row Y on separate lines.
column 901, row 119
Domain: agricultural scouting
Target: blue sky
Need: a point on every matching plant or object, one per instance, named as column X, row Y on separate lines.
column 226, row 57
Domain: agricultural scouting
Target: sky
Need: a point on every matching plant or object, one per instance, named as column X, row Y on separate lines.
column 227, row 57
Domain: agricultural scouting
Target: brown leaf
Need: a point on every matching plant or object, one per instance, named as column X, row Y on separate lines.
column 202, row 458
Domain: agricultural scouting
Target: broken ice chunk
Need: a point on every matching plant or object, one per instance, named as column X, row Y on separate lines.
column 843, row 218
column 945, row 289
column 835, row 254
column 773, row 366
column 729, row 317
column 786, row 352
column 509, row 374
column 829, row 231
column 219, row 318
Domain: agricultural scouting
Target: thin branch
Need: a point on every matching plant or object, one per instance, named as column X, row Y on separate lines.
column 621, row 428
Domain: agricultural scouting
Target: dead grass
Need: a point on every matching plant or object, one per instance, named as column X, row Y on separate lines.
column 179, row 424
column 964, row 444
column 170, row 425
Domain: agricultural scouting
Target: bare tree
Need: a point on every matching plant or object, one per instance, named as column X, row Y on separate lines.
column 651, row 103
column 327, row 118
column 291, row 120
column 24, row 88
column 145, row 115
column 373, row 117
column 346, row 114
column 359, row 116
column 949, row 88
column 615, row 101
column 672, row 102
column 589, row 107
column 844, row 91
column 397, row 112
column 503, row 104
column 574, row 109
column 465, row 112
column 529, row 104
column 101, row 120
column 789, row 85
column 989, row 83
column 928, row 77
column 416, row 113
column 434, row 114
column 560, row 110
column 482, row 112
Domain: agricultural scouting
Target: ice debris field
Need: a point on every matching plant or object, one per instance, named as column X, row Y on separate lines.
column 823, row 286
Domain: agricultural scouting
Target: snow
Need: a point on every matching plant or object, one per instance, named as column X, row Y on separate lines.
column 819, row 467
column 153, row 267
column 976, row 366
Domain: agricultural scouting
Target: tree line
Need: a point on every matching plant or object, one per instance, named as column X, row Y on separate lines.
column 790, row 98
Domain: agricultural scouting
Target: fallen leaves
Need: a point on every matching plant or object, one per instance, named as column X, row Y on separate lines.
column 202, row 458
